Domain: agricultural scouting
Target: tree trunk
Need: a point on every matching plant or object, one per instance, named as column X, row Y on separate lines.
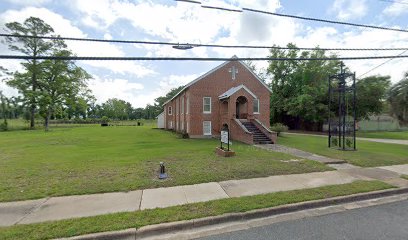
column 34, row 88
column 47, row 120
column 32, row 112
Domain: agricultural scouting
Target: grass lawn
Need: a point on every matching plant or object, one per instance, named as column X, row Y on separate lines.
column 404, row 176
column 368, row 154
column 403, row 135
column 118, row 221
column 21, row 124
column 68, row 161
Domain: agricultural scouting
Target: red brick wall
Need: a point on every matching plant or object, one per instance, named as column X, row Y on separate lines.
column 212, row 86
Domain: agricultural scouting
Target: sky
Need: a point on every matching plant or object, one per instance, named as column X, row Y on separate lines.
column 140, row 82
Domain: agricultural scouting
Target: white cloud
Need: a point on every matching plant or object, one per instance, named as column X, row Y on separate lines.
column 349, row 9
column 64, row 27
column 103, row 89
column 123, row 67
column 174, row 81
column 7, row 91
column 106, row 88
column 179, row 23
column 107, row 36
column 29, row 2
column 396, row 9
column 189, row 23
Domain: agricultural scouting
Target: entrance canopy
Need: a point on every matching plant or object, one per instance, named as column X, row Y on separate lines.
column 233, row 90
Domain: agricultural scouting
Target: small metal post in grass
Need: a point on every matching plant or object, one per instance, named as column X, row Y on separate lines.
column 162, row 174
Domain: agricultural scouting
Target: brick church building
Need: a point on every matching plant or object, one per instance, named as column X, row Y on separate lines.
column 229, row 96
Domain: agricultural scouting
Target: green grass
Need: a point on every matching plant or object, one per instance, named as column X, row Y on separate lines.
column 404, row 176
column 403, row 135
column 67, row 161
column 118, row 221
column 368, row 154
column 21, row 124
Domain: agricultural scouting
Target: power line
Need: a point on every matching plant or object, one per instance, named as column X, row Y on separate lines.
column 189, row 58
column 194, row 45
column 390, row 1
column 389, row 60
column 299, row 17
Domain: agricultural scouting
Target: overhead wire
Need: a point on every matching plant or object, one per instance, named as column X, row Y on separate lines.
column 216, row 45
column 299, row 17
column 391, row 1
column 194, row 44
column 24, row 57
column 372, row 69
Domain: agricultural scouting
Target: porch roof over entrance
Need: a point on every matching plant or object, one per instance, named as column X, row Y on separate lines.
column 233, row 90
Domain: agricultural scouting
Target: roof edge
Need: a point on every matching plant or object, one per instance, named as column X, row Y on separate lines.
column 233, row 58
column 257, row 77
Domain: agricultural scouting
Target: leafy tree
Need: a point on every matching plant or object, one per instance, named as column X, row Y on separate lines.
column 153, row 111
column 4, row 72
column 59, row 82
column 138, row 113
column 79, row 104
column 371, row 95
column 299, row 87
column 3, row 100
column 398, row 99
column 27, row 83
column 261, row 73
column 116, row 109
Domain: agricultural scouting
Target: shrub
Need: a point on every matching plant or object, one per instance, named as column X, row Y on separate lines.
column 184, row 134
column 3, row 126
column 279, row 127
column 105, row 119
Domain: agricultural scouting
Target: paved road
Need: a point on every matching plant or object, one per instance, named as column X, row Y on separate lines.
column 388, row 222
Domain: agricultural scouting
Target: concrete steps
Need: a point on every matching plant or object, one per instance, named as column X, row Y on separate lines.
column 258, row 136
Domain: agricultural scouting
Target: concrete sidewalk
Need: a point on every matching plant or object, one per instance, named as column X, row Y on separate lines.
column 299, row 153
column 57, row 208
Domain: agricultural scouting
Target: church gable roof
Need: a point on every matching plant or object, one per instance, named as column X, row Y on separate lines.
column 215, row 69
column 233, row 90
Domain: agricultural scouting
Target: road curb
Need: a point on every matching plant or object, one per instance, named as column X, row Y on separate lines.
column 164, row 228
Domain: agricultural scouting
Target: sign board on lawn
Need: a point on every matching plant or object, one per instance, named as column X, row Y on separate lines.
column 224, row 137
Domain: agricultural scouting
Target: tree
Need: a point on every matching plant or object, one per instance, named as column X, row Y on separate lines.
column 152, row 111
column 398, row 99
column 299, row 88
column 59, row 81
column 3, row 100
column 261, row 73
column 4, row 72
column 371, row 95
column 27, row 83
column 79, row 105
column 115, row 108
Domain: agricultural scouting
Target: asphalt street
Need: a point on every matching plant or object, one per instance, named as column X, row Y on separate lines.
column 388, row 222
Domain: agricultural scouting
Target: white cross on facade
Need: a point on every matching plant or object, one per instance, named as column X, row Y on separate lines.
column 233, row 71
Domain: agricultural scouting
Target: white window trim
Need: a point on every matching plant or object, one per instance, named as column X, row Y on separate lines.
column 169, row 110
column 204, row 105
column 257, row 112
column 204, row 133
